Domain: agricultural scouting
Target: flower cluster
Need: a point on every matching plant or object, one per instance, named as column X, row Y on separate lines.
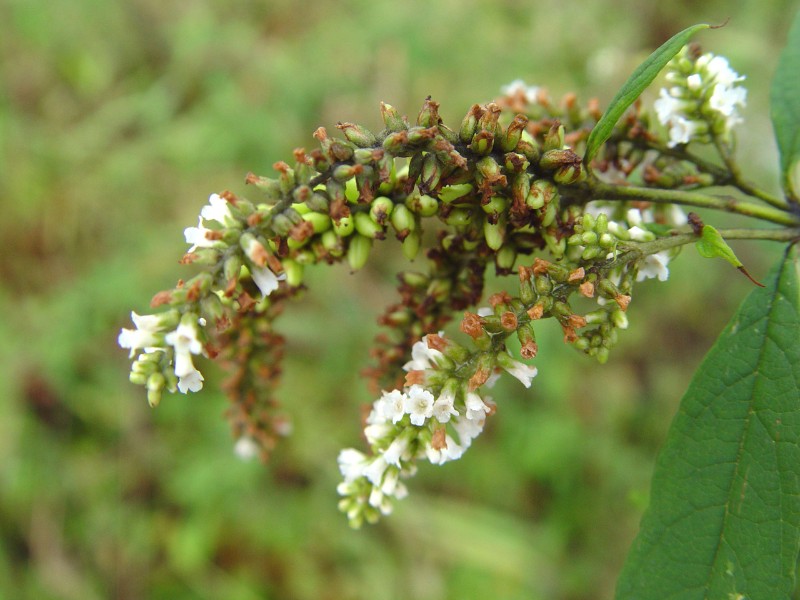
column 703, row 101
column 507, row 184
column 436, row 419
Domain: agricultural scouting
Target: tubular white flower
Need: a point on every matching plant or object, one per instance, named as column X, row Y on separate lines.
column 185, row 342
column 682, row 131
column 524, row 373
column 217, row 210
column 146, row 335
column 196, row 236
column 531, row 92
column 725, row 99
column 190, row 381
column 422, row 357
column 265, row 279
column 352, row 464
column 654, row 265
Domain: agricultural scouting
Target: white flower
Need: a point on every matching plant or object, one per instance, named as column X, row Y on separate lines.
column 667, row 107
column 682, row 131
column 468, row 430
column 476, row 408
column 725, row 99
column 396, row 450
column 196, row 236
column 392, row 405
column 265, row 279
column 719, row 69
column 352, row 464
column 654, row 265
column 531, row 92
column 519, row 370
column 190, row 381
column 185, row 342
column 374, row 432
column 422, row 357
column 419, row 404
column 451, row 451
column 639, row 234
column 444, row 408
column 694, row 81
column 375, row 469
column 246, row 448
column 217, row 210
column 146, row 334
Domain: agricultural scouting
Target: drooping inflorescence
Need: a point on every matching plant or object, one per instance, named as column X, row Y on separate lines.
column 506, row 189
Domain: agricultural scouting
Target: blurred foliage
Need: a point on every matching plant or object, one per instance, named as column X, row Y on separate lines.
column 117, row 119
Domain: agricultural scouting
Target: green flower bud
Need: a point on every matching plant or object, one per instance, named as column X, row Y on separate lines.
column 294, row 272
column 397, row 143
column 232, row 267
column 529, row 150
column 451, row 193
column 557, row 246
column 380, row 209
column 495, row 234
column 542, row 285
column 367, row 227
column 547, row 215
column 554, row 139
column 318, row 202
column 392, row 119
column 431, row 174
column 270, row 187
column 155, row 386
column 423, row 205
column 402, row 219
column 360, row 136
column 590, row 252
column 319, row 221
column 513, row 135
column 345, row 172
column 569, row 175
column 488, row 121
column 607, row 241
column 555, row 159
column 459, row 217
column 344, row 226
column 439, row 289
column 589, row 238
column 506, row 257
column 601, row 224
column 211, row 306
column 619, row 319
column 482, row 143
column 411, row 244
column 332, row 243
column 429, row 115
column 470, row 124
column 358, row 251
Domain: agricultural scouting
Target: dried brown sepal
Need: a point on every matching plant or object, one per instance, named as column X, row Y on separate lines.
column 188, row 258
column 576, row 275
column 576, row 321
column 529, row 349
column 478, row 379
column 472, row 325
column 161, row 298
column 439, row 438
column 569, row 334
column 436, row 342
column 508, row 321
column 536, row 312
column 586, row 289
column 415, row 378
column 540, row 266
column 622, row 300
column 499, row 299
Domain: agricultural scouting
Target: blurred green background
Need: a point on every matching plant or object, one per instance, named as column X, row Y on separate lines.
column 117, row 119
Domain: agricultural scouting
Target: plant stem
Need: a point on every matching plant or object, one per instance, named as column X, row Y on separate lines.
column 607, row 191
column 737, row 180
column 665, row 243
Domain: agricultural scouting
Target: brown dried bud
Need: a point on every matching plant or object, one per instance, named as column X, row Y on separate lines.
column 576, row 321
column 162, row 297
column 472, row 325
column 536, row 312
column 478, row 379
column 508, row 321
column 569, row 335
column 499, row 298
column 586, row 289
column 529, row 349
column 576, row 275
column 439, row 439
column 623, row 300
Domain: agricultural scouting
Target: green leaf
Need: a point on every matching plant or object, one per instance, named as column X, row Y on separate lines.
column 643, row 76
column 724, row 517
column 785, row 110
column 712, row 245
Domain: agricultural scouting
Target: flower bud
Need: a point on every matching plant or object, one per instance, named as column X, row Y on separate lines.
column 505, row 258
column 402, row 219
column 358, row 251
column 320, row 222
column 482, row 143
column 459, row 217
column 554, row 139
column 367, row 227
column 294, row 272
column 429, row 114
column 513, row 135
column 469, row 125
column 423, row 205
column 270, row 187
column 332, row 243
column 411, row 244
column 392, row 119
column 430, row 175
column 380, row 209
column 495, row 234
column 555, row 159
column 360, row 136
